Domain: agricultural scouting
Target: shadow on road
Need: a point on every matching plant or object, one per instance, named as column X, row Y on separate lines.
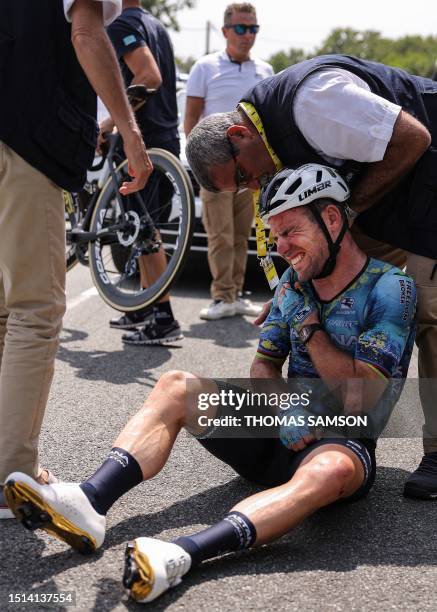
column 233, row 332
column 131, row 365
column 384, row 529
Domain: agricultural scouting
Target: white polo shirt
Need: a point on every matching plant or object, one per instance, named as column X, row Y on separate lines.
column 223, row 82
column 342, row 119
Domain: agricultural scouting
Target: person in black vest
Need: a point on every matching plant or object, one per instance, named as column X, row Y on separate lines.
column 378, row 126
column 53, row 55
column 145, row 53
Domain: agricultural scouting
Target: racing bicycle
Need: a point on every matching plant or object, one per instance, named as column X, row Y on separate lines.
column 114, row 234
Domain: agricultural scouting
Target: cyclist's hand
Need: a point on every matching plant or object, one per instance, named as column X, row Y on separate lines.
column 139, row 165
column 263, row 314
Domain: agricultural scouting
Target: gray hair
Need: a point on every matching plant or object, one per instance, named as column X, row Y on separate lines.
column 208, row 145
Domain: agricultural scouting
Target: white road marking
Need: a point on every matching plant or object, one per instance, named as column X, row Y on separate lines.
column 82, row 297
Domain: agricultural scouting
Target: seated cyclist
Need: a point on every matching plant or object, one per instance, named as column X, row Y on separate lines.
column 336, row 315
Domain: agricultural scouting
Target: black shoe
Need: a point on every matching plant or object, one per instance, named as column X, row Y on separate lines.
column 131, row 320
column 422, row 483
column 152, row 333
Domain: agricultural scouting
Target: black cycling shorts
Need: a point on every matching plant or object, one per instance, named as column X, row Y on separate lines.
column 267, row 462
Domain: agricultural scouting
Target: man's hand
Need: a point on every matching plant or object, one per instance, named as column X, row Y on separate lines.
column 296, row 436
column 263, row 314
column 106, row 127
column 139, row 165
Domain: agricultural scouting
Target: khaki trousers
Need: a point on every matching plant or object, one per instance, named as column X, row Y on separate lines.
column 32, row 303
column 227, row 218
column 421, row 269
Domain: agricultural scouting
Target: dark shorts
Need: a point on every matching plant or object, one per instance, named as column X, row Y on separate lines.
column 267, row 462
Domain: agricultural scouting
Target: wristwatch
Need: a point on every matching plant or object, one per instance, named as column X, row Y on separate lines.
column 306, row 331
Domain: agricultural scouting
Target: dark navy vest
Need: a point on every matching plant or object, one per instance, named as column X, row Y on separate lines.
column 407, row 216
column 47, row 106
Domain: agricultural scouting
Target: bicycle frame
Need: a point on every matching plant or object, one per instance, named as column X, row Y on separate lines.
column 80, row 234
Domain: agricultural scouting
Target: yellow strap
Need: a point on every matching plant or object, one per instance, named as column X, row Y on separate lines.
column 252, row 113
column 263, row 243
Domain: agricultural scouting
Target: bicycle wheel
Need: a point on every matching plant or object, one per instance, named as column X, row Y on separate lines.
column 114, row 258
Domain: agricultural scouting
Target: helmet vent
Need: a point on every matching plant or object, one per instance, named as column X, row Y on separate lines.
column 294, row 186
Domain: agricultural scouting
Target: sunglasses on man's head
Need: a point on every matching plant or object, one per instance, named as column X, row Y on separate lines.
column 240, row 178
column 241, row 28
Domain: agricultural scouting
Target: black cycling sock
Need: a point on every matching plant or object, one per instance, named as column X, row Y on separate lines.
column 119, row 473
column 163, row 313
column 234, row 532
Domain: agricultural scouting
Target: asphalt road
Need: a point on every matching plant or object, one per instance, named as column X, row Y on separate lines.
column 376, row 554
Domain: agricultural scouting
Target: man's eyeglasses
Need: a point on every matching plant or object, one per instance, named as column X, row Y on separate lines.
column 242, row 28
column 240, row 178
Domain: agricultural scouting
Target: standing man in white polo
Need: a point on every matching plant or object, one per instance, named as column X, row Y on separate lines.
column 216, row 83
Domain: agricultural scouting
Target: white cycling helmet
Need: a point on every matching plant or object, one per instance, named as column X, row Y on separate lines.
column 291, row 188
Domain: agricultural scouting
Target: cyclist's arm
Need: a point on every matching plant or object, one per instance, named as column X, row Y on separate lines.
column 274, row 344
column 335, row 365
column 96, row 56
column 193, row 111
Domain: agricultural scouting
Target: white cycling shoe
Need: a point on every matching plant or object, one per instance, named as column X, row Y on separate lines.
column 152, row 567
column 61, row 509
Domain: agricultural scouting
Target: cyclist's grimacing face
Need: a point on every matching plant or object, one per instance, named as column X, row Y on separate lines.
column 300, row 241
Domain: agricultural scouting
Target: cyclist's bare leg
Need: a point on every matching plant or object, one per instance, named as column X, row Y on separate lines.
column 326, row 475
column 150, row 434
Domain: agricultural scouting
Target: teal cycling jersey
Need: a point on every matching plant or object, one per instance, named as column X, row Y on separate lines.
column 372, row 319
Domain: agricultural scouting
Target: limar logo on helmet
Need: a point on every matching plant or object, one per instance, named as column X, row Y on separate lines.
column 315, row 189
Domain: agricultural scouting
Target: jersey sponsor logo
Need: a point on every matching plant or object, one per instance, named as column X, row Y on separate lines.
column 406, row 288
column 347, row 303
column 308, row 192
column 129, row 40
column 341, row 323
column 344, row 339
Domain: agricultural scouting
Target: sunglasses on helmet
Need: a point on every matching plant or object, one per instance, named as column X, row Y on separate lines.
column 242, row 28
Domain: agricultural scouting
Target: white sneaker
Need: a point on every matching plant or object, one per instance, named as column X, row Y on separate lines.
column 153, row 566
column 243, row 306
column 218, row 309
column 61, row 509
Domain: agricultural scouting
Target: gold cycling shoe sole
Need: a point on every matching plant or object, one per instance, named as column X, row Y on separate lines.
column 34, row 513
column 139, row 576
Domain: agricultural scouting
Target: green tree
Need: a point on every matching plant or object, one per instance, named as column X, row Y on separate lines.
column 166, row 10
column 281, row 60
column 416, row 54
